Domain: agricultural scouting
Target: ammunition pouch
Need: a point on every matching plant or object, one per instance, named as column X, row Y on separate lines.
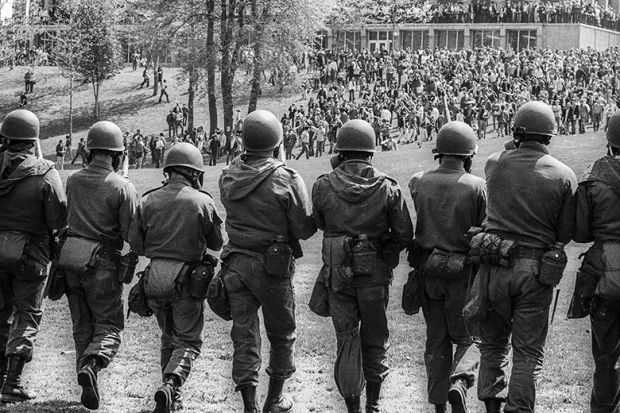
column 279, row 260
column 413, row 293
column 13, row 246
column 492, row 249
column 137, row 300
column 78, row 254
column 217, row 297
column 443, row 264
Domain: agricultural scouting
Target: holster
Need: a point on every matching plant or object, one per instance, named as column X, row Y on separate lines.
column 413, row 293
column 217, row 297
column 199, row 277
column 56, row 285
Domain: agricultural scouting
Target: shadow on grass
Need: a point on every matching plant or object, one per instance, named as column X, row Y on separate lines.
column 49, row 406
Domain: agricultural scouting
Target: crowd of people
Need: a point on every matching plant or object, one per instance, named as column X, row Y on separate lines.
column 407, row 96
column 485, row 11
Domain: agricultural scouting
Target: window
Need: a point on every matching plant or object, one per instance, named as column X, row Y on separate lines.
column 415, row 39
column 521, row 39
column 485, row 38
column 450, row 39
column 351, row 40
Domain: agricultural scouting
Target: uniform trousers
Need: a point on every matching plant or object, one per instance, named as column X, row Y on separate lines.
column 360, row 320
column 518, row 316
column 96, row 306
column 21, row 296
column 249, row 288
column 181, row 320
column 605, row 319
column 445, row 328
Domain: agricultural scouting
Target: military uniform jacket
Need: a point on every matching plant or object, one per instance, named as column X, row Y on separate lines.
column 176, row 222
column 530, row 196
column 448, row 201
column 32, row 199
column 101, row 204
column 264, row 199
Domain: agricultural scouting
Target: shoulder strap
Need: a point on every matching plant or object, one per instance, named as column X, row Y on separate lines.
column 206, row 193
column 154, row 189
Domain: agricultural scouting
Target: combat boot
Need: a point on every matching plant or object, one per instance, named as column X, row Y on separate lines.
column 87, row 379
column 4, row 368
column 249, row 399
column 441, row 408
column 164, row 396
column 373, row 390
column 276, row 402
column 493, row 405
column 12, row 390
column 353, row 404
column 457, row 396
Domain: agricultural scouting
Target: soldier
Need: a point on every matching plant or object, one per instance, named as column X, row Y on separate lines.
column 173, row 226
column 530, row 210
column 365, row 220
column 598, row 219
column 34, row 205
column 101, row 205
column 267, row 211
column 448, row 201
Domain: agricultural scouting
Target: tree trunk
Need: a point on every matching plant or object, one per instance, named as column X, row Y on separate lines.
column 259, row 24
column 211, row 53
column 96, row 93
column 230, row 46
column 71, row 106
column 190, row 105
column 155, row 83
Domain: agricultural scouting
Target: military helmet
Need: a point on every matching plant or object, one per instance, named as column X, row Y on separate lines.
column 613, row 130
column 356, row 136
column 105, row 135
column 261, row 131
column 20, row 125
column 456, row 138
column 535, row 118
column 184, row 154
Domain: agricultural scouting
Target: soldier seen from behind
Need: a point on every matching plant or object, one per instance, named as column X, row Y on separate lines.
column 268, row 211
column 597, row 291
column 174, row 226
column 365, row 223
column 530, row 214
column 101, row 205
column 448, row 201
column 33, row 209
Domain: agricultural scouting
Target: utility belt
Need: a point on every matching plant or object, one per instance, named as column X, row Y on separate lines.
column 492, row 249
column 278, row 259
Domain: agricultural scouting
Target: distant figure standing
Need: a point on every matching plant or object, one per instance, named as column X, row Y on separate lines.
column 81, row 151
column 160, row 74
column 145, row 78
column 68, row 146
column 27, row 78
column 164, row 87
column 60, row 155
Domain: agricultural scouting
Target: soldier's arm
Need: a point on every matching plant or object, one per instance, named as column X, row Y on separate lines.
column 482, row 205
column 127, row 208
column 399, row 219
column 300, row 210
column 566, row 221
column 213, row 228
column 136, row 232
column 583, row 215
column 317, row 214
column 55, row 201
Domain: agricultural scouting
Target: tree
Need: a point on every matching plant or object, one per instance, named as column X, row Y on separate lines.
column 232, row 26
column 94, row 23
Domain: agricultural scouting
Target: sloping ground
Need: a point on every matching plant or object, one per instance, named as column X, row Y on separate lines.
column 128, row 385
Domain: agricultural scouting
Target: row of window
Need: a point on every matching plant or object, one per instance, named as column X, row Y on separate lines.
column 444, row 39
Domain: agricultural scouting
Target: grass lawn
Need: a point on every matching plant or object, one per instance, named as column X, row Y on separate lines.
column 130, row 381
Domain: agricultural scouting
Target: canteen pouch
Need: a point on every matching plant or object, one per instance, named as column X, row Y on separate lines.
column 200, row 277
column 127, row 267
column 609, row 284
column 279, row 260
column 413, row 293
column 364, row 258
column 137, row 301
column 12, row 249
column 56, row 285
column 162, row 276
column 217, row 298
column 78, row 254
column 319, row 300
column 442, row 264
column 551, row 270
column 491, row 249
